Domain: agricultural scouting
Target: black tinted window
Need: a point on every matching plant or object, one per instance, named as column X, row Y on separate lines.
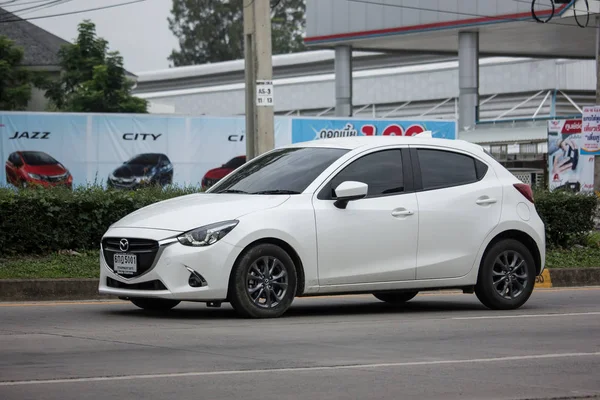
column 444, row 168
column 235, row 163
column 145, row 159
column 38, row 158
column 481, row 169
column 382, row 171
column 284, row 170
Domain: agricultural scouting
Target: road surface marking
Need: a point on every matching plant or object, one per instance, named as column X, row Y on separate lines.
column 530, row 315
column 299, row 369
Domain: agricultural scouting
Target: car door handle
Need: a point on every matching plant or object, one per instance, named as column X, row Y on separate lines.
column 401, row 212
column 484, row 201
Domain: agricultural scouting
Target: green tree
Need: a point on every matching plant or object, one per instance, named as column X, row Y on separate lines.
column 15, row 80
column 213, row 30
column 92, row 78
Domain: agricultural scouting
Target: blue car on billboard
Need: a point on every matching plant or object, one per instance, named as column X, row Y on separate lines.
column 146, row 169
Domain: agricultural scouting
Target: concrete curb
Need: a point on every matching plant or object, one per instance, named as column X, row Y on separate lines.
column 49, row 289
column 87, row 289
column 569, row 277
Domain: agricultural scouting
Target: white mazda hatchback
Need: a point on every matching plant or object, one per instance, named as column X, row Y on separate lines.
column 391, row 216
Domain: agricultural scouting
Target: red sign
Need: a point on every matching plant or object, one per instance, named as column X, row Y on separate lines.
column 392, row 130
column 572, row 126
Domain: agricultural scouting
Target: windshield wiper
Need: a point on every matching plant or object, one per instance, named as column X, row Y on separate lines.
column 276, row 191
column 232, row 191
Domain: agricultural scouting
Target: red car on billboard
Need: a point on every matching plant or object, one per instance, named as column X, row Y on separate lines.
column 216, row 174
column 26, row 168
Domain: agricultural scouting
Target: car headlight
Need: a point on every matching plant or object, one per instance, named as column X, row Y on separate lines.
column 207, row 235
column 34, row 176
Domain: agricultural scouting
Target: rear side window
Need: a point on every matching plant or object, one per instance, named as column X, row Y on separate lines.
column 440, row 169
column 382, row 171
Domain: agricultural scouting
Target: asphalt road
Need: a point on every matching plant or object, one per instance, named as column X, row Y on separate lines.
column 438, row 346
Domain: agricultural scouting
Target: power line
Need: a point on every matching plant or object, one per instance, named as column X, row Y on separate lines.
column 13, row 3
column 499, row 18
column 72, row 12
column 34, row 8
column 43, row 6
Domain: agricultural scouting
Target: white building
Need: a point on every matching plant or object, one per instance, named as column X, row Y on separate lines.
column 517, row 95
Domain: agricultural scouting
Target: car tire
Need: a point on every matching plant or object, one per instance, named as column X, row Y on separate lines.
column 155, row 304
column 274, row 270
column 506, row 276
column 395, row 297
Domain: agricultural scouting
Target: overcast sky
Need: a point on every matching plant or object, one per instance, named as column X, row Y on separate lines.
column 139, row 31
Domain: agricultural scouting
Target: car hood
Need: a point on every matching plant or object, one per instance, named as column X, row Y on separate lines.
column 46, row 170
column 188, row 212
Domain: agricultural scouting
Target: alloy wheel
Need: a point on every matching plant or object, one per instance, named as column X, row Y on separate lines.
column 509, row 274
column 267, row 282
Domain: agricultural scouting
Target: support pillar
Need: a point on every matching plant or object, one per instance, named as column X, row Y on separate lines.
column 343, row 81
column 468, row 79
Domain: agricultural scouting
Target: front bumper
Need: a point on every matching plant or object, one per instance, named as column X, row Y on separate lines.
column 169, row 278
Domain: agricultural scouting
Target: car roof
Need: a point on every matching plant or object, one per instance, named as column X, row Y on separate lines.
column 366, row 142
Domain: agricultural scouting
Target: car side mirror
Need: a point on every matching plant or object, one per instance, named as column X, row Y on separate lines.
column 349, row 191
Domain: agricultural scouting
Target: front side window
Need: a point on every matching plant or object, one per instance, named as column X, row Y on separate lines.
column 381, row 171
column 440, row 169
column 283, row 171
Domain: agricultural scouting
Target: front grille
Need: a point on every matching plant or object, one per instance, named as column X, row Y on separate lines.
column 145, row 250
column 122, row 182
column 150, row 285
column 56, row 178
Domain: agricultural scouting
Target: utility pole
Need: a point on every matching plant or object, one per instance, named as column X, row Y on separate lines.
column 260, row 136
column 597, row 158
column 597, row 59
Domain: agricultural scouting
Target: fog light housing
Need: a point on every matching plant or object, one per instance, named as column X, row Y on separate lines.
column 195, row 280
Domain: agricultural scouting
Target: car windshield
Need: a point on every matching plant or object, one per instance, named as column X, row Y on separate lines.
column 38, row 158
column 283, row 171
column 145, row 159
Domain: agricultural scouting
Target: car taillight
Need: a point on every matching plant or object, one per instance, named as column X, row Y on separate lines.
column 525, row 190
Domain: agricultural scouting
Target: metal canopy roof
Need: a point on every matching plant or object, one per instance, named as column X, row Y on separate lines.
column 514, row 35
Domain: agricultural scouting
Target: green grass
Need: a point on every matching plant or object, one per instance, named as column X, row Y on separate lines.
column 86, row 265
column 578, row 257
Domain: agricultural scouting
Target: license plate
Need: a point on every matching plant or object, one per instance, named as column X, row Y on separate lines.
column 125, row 264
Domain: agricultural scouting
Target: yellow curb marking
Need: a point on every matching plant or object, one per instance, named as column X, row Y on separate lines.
column 543, row 280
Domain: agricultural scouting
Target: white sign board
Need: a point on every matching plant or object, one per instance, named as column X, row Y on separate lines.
column 591, row 130
column 264, row 93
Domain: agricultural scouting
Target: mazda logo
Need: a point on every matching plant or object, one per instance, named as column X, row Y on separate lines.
column 124, row 244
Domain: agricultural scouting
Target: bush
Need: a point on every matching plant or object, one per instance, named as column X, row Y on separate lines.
column 39, row 221
column 569, row 217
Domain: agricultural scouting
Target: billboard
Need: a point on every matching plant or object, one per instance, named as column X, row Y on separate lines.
column 132, row 150
column 304, row 129
column 569, row 168
column 591, row 130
